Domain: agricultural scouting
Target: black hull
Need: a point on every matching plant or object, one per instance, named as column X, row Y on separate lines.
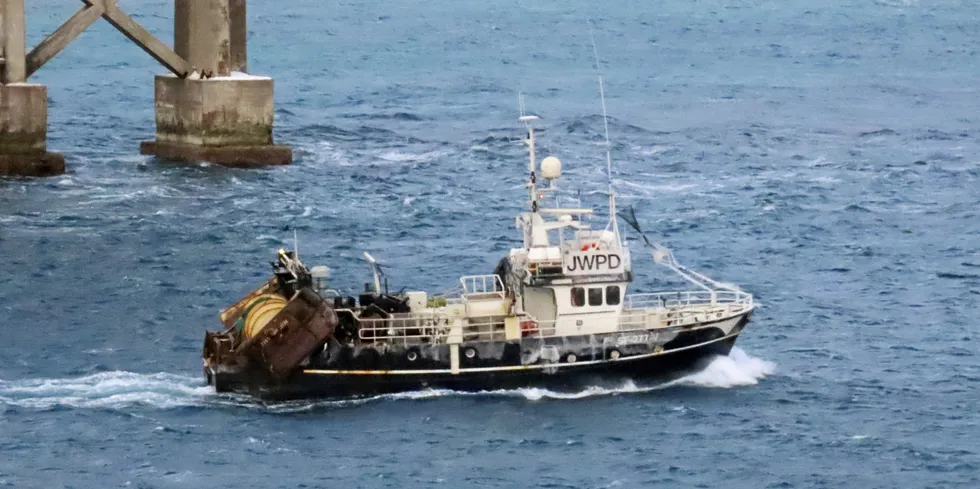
column 566, row 378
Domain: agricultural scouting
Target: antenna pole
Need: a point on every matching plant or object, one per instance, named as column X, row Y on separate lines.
column 605, row 123
column 532, row 184
column 534, row 180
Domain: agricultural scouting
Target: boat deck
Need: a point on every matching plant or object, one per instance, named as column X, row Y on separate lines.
column 640, row 312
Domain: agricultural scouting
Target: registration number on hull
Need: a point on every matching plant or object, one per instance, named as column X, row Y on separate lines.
column 630, row 339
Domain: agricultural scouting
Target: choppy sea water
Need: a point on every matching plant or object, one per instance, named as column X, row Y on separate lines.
column 823, row 157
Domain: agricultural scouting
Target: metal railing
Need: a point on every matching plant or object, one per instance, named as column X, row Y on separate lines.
column 689, row 298
column 425, row 328
column 482, row 286
column 640, row 312
column 647, row 319
column 404, row 329
column 631, row 320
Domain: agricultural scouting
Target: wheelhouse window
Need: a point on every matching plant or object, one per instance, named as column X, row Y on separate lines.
column 595, row 296
column 612, row 295
column 578, row 297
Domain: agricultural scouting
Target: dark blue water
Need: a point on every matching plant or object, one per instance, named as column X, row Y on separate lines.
column 824, row 157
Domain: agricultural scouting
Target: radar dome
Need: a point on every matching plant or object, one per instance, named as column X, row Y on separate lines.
column 320, row 271
column 550, row 168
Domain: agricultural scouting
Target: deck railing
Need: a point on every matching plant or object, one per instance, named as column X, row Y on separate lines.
column 673, row 300
column 476, row 286
column 631, row 320
column 677, row 309
column 415, row 329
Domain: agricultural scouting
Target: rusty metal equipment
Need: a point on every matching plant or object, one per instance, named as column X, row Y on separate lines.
column 275, row 350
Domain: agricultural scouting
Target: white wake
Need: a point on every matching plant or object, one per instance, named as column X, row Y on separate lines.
column 106, row 390
column 124, row 390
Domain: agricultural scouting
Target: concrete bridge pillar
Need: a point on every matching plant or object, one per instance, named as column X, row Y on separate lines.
column 23, row 107
column 223, row 116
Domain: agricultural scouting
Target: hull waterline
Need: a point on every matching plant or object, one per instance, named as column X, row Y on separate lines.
column 338, row 384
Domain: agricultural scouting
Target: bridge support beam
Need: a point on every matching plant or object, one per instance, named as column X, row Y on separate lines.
column 23, row 107
column 225, row 117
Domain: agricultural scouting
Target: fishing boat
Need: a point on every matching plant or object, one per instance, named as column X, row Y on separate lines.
column 555, row 313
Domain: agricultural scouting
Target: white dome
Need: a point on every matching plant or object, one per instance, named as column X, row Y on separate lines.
column 320, row 271
column 550, row 168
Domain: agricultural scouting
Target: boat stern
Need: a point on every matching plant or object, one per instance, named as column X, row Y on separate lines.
column 270, row 333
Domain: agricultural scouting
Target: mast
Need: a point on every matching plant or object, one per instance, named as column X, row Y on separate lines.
column 533, row 182
column 605, row 122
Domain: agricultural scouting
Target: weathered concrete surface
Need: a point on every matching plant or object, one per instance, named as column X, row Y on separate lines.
column 23, row 132
column 3, row 43
column 233, row 156
column 222, row 120
column 42, row 164
column 23, row 118
column 239, row 35
column 202, row 34
column 214, row 112
column 15, row 44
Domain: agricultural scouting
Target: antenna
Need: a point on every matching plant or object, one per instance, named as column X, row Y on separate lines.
column 605, row 123
column 376, row 269
column 532, row 183
column 296, row 243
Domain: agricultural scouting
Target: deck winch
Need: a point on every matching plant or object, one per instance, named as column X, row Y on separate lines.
column 258, row 312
